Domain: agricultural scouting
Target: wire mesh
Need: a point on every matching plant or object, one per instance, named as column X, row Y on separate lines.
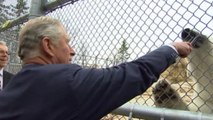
column 107, row 32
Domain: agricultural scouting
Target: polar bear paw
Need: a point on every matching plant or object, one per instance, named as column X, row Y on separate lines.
column 165, row 95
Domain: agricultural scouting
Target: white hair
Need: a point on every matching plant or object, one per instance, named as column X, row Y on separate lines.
column 33, row 31
column 3, row 43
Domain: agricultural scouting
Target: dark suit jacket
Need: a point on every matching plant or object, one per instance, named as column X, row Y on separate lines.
column 6, row 77
column 70, row 92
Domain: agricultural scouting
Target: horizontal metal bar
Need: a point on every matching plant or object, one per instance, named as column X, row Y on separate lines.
column 152, row 113
column 49, row 6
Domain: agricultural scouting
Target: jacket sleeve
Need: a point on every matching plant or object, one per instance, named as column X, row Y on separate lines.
column 102, row 90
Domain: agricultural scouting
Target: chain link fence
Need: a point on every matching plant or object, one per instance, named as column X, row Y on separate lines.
column 107, row 32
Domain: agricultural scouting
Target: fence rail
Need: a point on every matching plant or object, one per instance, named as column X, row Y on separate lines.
column 150, row 113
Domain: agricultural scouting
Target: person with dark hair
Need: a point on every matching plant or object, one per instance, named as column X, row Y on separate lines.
column 5, row 76
column 49, row 87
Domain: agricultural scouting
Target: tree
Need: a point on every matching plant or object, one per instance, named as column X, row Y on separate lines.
column 122, row 54
column 20, row 8
column 5, row 12
column 8, row 12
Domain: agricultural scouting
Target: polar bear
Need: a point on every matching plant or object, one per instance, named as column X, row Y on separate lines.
column 200, row 70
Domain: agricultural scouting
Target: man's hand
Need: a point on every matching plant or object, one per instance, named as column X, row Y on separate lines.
column 183, row 48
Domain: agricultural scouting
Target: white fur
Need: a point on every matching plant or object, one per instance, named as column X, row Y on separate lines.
column 200, row 69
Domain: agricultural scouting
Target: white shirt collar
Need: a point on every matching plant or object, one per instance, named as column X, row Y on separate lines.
column 1, row 71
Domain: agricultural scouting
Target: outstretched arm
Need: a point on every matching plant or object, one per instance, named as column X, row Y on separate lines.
column 102, row 90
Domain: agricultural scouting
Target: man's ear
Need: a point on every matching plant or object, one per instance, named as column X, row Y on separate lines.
column 47, row 46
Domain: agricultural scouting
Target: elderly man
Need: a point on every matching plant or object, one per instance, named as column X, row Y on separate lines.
column 4, row 75
column 49, row 87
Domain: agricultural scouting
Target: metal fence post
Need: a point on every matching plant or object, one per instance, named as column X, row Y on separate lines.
column 36, row 9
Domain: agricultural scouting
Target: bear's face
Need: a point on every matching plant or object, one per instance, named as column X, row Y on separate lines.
column 195, row 38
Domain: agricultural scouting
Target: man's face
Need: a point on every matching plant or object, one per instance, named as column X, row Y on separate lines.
column 63, row 52
column 3, row 55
